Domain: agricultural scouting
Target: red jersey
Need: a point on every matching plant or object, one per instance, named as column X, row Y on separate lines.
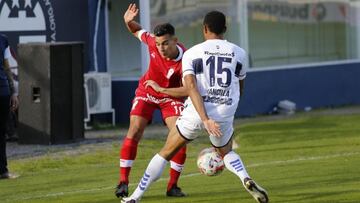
column 167, row 73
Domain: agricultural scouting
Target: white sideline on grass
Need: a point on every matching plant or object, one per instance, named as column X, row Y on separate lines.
column 311, row 158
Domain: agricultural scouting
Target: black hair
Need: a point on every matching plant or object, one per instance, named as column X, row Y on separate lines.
column 215, row 21
column 164, row 29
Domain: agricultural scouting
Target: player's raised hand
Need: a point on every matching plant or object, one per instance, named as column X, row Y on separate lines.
column 212, row 127
column 131, row 13
column 153, row 85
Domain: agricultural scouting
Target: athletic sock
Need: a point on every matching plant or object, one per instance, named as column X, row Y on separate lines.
column 152, row 173
column 176, row 166
column 234, row 164
column 127, row 156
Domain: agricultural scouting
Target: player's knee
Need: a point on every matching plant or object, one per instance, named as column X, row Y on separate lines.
column 135, row 132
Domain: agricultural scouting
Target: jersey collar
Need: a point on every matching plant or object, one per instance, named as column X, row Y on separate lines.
column 181, row 52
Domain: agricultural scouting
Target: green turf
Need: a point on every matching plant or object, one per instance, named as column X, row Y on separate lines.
column 305, row 159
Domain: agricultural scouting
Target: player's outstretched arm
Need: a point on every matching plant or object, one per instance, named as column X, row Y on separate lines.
column 178, row 92
column 211, row 126
column 129, row 18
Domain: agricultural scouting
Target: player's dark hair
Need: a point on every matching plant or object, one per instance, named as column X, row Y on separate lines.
column 215, row 21
column 164, row 29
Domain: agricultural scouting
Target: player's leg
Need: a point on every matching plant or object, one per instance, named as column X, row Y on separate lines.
column 186, row 129
column 234, row 163
column 176, row 165
column 4, row 112
column 128, row 153
column 141, row 114
column 154, row 169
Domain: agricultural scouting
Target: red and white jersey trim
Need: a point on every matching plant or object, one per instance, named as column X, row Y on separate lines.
column 150, row 98
column 140, row 33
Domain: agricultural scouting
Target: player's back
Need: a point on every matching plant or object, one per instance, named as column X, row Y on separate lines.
column 218, row 66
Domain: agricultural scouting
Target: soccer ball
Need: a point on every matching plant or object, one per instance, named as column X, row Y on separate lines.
column 210, row 162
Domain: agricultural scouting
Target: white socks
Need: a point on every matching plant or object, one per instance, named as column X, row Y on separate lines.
column 234, row 164
column 152, row 173
column 154, row 170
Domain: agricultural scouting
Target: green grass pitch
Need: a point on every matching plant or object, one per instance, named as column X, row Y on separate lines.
column 305, row 159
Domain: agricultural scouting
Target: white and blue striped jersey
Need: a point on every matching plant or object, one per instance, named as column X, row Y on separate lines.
column 218, row 65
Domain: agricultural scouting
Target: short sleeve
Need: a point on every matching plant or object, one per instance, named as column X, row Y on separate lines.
column 7, row 53
column 146, row 37
column 241, row 68
column 4, row 47
column 187, row 65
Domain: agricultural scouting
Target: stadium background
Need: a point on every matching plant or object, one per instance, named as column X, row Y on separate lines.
column 304, row 51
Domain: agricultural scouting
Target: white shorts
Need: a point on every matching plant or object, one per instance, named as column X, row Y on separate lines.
column 189, row 126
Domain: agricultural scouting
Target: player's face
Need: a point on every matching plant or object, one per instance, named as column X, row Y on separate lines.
column 166, row 46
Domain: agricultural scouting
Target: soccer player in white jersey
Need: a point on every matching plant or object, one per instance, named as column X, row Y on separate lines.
column 212, row 72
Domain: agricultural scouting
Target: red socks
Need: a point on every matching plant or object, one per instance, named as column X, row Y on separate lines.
column 127, row 155
column 177, row 164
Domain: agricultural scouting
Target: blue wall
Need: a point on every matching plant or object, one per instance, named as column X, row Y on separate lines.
column 320, row 86
column 123, row 93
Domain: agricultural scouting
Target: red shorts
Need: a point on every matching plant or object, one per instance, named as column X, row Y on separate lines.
column 144, row 105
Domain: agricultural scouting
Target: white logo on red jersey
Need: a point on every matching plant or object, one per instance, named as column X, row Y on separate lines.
column 152, row 54
column 170, row 73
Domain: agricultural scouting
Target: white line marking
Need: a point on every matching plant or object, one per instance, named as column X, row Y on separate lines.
column 312, row 158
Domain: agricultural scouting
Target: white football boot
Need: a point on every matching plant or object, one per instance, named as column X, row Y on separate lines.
column 129, row 200
column 259, row 194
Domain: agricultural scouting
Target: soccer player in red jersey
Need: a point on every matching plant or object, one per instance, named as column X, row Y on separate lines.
column 165, row 69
